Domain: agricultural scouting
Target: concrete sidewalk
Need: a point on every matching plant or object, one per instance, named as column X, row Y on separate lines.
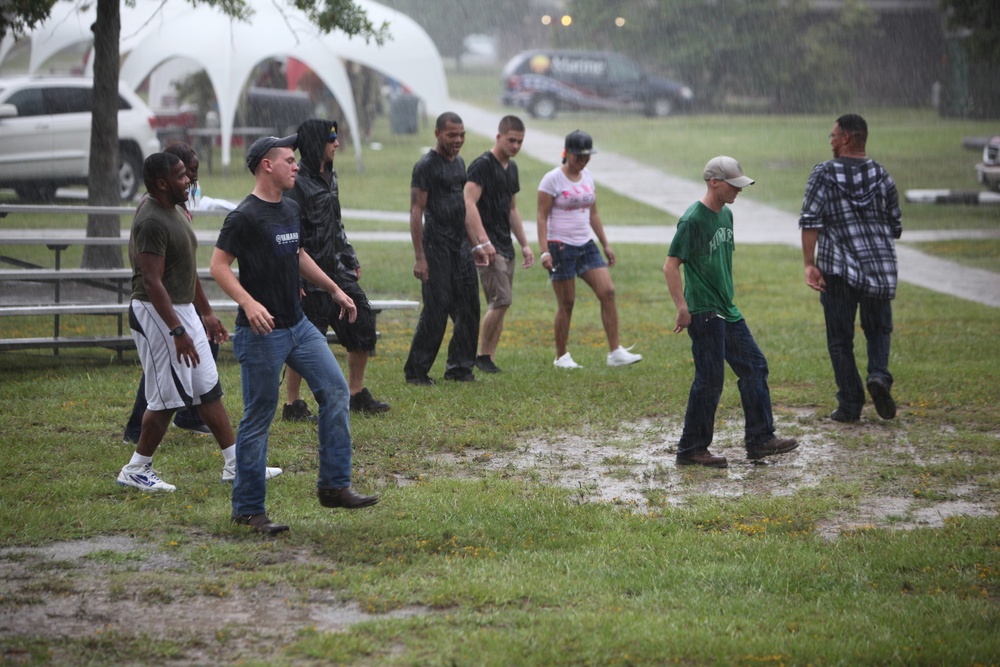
column 754, row 223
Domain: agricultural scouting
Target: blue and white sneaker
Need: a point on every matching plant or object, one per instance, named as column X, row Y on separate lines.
column 143, row 477
column 229, row 472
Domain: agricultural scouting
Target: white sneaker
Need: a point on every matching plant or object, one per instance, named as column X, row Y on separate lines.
column 143, row 477
column 623, row 357
column 229, row 472
column 566, row 361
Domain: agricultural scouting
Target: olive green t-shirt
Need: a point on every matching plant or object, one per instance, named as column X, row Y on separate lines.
column 166, row 233
column 704, row 243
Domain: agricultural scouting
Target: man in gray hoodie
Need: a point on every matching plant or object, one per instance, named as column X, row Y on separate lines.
column 850, row 220
column 323, row 237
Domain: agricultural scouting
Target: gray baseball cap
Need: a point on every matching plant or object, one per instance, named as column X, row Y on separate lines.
column 725, row 168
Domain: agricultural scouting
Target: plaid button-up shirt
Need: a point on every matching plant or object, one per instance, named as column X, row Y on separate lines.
column 854, row 205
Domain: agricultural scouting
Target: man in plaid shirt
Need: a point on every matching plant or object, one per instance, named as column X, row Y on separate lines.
column 850, row 220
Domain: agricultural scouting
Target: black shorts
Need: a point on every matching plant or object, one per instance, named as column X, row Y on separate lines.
column 320, row 309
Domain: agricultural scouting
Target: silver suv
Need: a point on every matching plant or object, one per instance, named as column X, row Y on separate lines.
column 45, row 136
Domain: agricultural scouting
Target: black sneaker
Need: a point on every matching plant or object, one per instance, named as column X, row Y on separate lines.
column 771, row 447
column 839, row 415
column 421, row 381
column 363, row 401
column 486, row 365
column 467, row 376
column 297, row 411
column 884, row 405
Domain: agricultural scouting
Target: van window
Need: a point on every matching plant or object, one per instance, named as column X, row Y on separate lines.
column 623, row 70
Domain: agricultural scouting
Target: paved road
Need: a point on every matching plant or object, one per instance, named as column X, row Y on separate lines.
column 755, row 223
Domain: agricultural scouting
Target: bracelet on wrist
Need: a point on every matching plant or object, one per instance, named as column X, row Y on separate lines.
column 546, row 254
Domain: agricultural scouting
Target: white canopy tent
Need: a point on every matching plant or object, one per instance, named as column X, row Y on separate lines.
column 155, row 32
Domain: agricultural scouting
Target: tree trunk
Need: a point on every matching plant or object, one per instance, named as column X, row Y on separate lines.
column 103, row 168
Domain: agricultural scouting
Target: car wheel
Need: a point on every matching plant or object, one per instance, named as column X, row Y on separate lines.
column 661, row 107
column 544, row 107
column 129, row 175
column 36, row 192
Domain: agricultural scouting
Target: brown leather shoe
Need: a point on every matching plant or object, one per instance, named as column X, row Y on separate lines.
column 702, row 458
column 772, row 446
column 346, row 497
column 260, row 523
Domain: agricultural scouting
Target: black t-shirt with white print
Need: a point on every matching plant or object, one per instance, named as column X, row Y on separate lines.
column 264, row 238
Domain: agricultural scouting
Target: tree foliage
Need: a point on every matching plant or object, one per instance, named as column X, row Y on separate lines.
column 781, row 50
column 19, row 16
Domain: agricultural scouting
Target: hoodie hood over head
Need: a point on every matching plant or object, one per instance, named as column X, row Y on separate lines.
column 313, row 137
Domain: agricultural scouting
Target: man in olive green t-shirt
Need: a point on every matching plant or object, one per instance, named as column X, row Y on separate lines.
column 169, row 331
column 719, row 334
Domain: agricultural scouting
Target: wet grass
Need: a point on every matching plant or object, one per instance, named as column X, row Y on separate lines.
column 509, row 570
column 977, row 253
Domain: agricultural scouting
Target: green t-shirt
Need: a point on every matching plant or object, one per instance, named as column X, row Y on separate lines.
column 166, row 233
column 704, row 243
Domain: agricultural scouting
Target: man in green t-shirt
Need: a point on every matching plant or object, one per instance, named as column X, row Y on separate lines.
column 719, row 334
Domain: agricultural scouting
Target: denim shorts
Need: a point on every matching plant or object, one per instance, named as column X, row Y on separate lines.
column 570, row 261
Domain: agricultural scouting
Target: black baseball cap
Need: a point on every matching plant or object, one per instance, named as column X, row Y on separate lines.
column 579, row 143
column 259, row 149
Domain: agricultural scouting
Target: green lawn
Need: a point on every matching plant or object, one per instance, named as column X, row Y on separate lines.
column 711, row 567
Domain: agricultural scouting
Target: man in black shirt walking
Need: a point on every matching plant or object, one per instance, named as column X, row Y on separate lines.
column 444, row 259
column 491, row 205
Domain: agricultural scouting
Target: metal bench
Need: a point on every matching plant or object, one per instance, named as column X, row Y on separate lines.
column 123, row 339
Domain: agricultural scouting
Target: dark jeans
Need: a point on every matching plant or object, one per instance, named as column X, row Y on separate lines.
column 186, row 418
column 715, row 342
column 840, row 306
column 452, row 291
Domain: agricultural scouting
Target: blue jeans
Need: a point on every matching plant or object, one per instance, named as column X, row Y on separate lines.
column 840, row 306
column 305, row 350
column 714, row 342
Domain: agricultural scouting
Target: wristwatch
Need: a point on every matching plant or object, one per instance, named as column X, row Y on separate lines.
column 178, row 331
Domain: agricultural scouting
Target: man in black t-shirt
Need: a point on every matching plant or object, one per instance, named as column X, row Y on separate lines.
column 491, row 205
column 444, row 261
column 262, row 233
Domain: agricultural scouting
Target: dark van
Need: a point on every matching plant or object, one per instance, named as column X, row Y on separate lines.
column 547, row 81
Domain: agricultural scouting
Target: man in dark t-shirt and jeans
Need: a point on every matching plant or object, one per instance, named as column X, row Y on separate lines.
column 262, row 233
column 444, row 260
column 491, row 202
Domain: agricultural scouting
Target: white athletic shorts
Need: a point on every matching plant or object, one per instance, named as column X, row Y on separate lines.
column 170, row 384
